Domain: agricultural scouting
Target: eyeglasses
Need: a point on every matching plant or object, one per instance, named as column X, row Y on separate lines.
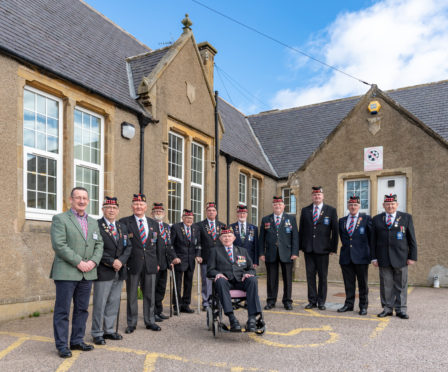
column 83, row 198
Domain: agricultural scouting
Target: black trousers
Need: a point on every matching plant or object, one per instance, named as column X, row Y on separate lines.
column 272, row 282
column 316, row 264
column 161, row 279
column 351, row 273
column 187, row 278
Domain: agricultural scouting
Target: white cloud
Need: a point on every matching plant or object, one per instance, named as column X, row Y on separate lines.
column 393, row 43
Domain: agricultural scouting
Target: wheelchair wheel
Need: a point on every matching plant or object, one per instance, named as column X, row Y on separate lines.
column 209, row 318
column 216, row 329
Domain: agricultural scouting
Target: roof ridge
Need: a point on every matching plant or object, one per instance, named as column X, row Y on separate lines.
column 114, row 24
column 416, row 86
column 131, row 58
column 242, row 113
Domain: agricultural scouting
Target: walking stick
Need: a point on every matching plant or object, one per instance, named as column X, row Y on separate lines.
column 171, row 296
column 199, row 289
column 118, row 314
column 175, row 291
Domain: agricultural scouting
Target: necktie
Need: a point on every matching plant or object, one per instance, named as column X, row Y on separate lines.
column 243, row 231
column 277, row 221
column 315, row 214
column 163, row 232
column 351, row 226
column 113, row 231
column 230, row 253
column 142, row 231
column 213, row 230
column 188, row 233
column 389, row 221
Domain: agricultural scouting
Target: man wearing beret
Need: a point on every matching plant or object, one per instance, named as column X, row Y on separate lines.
column 111, row 273
column 394, row 248
column 318, row 236
column 355, row 231
column 78, row 249
column 246, row 234
column 231, row 267
column 278, row 243
column 143, row 263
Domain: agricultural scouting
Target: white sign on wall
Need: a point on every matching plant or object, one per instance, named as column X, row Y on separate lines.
column 373, row 158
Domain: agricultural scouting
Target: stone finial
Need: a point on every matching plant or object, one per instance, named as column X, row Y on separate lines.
column 187, row 23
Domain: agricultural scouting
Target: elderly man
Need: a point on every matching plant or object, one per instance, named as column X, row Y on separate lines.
column 394, row 248
column 278, row 243
column 231, row 268
column 186, row 240
column 355, row 231
column 78, row 248
column 246, row 234
column 111, row 273
column 143, row 263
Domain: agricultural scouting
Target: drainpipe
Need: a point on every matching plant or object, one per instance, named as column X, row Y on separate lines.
column 216, row 150
column 229, row 161
column 143, row 121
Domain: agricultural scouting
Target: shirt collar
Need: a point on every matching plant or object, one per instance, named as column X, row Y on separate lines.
column 210, row 221
column 355, row 216
column 186, row 227
column 280, row 215
column 319, row 205
column 108, row 222
column 78, row 215
column 140, row 218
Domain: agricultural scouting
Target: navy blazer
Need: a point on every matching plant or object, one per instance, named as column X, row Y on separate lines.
column 250, row 242
column 355, row 249
column 167, row 253
column 207, row 242
column 187, row 250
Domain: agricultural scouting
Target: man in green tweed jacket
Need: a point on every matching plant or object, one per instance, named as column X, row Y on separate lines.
column 78, row 248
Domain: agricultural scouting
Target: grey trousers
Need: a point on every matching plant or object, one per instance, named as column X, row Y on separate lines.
column 106, row 302
column 147, row 284
column 394, row 288
column 206, row 285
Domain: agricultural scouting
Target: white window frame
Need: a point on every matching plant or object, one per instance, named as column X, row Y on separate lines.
column 254, row 206
column 196, row 185
column 84, row 164
column 175, row 179
column 367, row 211
column 241, row 200
column 37, row 213
column 291, row 195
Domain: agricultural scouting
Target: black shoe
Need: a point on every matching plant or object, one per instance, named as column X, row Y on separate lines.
column 129, row 329
column 204, row 308
column 384, row 313
column 269, row 306
column 234, row 324
column 65, row 353
column 288, row 306
column 321, row 307
column 186, row 309
column 251, row 325
column 82, row 346
column 99, row 340
column 363, row 311
column 113, row 336
column 403, row 315
column 163, row 316
column 310, row 306
column 345, row 308
column 153, row 327
column 158, row 318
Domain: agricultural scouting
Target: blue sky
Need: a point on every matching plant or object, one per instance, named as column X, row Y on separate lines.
column 392, row 43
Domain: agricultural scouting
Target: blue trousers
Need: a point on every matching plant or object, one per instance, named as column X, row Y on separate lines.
column 66, row 291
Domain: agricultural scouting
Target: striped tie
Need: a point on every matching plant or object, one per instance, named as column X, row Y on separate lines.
column 277, row 222
column 188, row 233
column 315, row 215
column 230, row 253
column 113, row 231
column 213, row 230
column 389, row 221
column 243, row 231
column 142, row 231
column 351, row 226
column 163, row 232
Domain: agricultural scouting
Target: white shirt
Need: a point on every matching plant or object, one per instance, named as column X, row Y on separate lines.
column 349, row 219
column 279, row 216
column 110, row 223
column 145, row 224
column 392, row 215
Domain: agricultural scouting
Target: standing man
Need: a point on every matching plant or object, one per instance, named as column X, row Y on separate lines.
column 186, row 240
column 246, row 234
column 394, row 248
column 167, row 258
column 143, row 263
column 318, row 236
column 209, row 231
column 278, row 243
column 111, row 273
column 355, row 232
column 78, row 249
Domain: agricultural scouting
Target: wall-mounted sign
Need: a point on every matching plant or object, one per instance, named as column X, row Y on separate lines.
column 373, row 158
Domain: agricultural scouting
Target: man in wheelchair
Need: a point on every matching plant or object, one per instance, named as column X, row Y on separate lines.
column 231, row 268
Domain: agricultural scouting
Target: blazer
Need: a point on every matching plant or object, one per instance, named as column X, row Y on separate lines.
column 71, row 247
column 207, row 242
column 219, row 263
column 355, row 249
column 250, row 242
column 284, row 240
column 187, row 250
column 321, row 238
column 167, row 253
column 146, row 256
column 113, row 249
column 394, row 246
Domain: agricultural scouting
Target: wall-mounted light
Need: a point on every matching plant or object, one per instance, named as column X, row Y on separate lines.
column 127, row 130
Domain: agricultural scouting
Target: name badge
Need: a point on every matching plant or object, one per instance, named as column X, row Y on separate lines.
column 125, row 240
column 288, row 230
column 95, row 236
column 241, row 260
column 362, row 230
column 326, row 220
column 250, row 238
column 399, row 235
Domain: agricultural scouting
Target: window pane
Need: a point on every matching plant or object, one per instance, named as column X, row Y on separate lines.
column 42, row 183
column 51, row 167
column 40, row 100
column 28, row 120
column 28, row 100
column 41, row 165
column 41, row 145
column 51, row 185
column 52, row 108
column 52, row 126
column 52, row 144
column 52, row 202
column 28, row 138
column 40, row 123
column 41, row 200
column 31, row 181
column 31, row 199
column 31, row 163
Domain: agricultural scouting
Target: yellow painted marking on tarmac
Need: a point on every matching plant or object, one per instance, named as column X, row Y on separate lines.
column 30, row 337
column 150, row 362
column 312, row 313
column 333, row 337
column 383, row 323
column 410, row 289
column 67, row 363
column 13, row 346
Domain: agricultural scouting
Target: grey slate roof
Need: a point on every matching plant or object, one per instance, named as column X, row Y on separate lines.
column 239, row 141
column 72, row 40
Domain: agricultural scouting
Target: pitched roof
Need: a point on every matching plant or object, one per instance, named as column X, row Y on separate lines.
column 72, row 40
column 239, row 141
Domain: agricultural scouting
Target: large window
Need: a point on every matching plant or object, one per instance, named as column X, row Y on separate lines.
column 254, row 201
column 242, row 187
column 88, row 156
column 290, row 201
column 361, row 188
column 42, row 146
column 175, row 177
column 197, row 180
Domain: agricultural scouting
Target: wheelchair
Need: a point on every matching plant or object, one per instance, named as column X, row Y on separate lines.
column 215, row 312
